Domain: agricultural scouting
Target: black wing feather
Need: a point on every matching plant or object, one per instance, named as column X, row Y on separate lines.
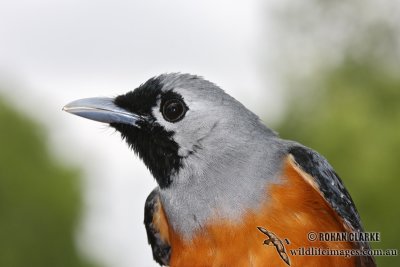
column 329, row 183
column 161, row 250
column 333, row 190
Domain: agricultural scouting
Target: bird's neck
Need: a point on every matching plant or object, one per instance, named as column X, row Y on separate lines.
column 223, row 185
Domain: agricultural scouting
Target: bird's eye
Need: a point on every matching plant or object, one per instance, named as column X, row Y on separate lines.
column 173, row 110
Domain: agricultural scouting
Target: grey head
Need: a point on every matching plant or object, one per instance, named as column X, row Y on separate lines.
column 201, row 145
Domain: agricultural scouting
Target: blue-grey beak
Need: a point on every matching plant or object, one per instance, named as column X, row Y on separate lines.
column 101, row 109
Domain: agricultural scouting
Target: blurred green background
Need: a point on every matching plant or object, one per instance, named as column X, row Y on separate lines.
column 348, row 108
column 40, row 199
column 339, row 63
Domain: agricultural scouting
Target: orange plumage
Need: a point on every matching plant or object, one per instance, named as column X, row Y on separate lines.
column 295, row 209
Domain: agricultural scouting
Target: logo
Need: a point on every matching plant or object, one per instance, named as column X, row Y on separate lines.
column 274, row 240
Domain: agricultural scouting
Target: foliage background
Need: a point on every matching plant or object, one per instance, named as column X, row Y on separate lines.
column 348, row 108
column 39, row 198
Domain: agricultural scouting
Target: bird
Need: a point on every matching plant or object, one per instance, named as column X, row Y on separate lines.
column 221, row 174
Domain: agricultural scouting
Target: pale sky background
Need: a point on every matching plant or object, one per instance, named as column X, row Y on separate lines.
column 53, row 52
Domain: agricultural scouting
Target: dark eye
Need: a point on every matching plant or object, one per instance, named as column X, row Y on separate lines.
column 173, row 110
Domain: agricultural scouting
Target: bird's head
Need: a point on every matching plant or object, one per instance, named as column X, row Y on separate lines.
column 172, row 118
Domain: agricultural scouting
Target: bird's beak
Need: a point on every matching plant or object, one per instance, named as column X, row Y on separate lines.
column 101, row 109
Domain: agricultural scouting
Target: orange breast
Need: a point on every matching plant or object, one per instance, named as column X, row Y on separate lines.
column 294, row 208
